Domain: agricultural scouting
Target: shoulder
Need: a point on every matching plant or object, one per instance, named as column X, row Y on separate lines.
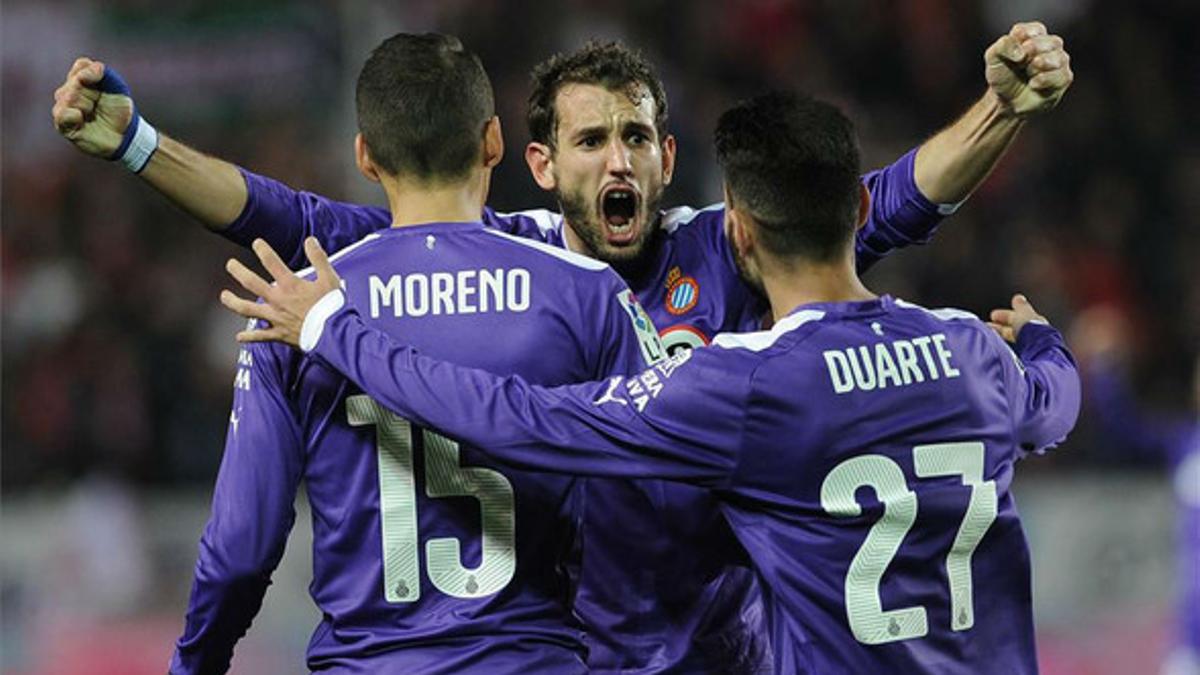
column 549, row 253
column 541, row 224
column 781, row 334
column 688, row 219
column 343, row 255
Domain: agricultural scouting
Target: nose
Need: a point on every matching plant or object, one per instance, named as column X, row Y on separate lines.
column 619, row 161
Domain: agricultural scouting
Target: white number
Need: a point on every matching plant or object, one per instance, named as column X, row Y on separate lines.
column 444, row 477
column 864, row 610
column 869, row 623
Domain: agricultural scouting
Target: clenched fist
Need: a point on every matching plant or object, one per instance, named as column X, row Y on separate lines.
column 1028, row 70
column 92, row 120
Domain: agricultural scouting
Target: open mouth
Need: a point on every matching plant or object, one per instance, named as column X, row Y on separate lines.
column 618, row 206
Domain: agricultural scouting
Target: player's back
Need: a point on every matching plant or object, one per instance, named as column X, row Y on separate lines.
column 892, row 543
column 428, row 557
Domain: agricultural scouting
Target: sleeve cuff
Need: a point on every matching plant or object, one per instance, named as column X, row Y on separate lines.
column 314, row 321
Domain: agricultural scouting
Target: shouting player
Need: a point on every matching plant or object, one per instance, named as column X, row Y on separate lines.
column 427, row 558
column 663, row 582
column 862, row 449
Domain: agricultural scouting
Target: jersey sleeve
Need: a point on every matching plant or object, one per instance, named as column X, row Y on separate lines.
column 537, row 224
column 252, row 513
column 900, row 215
column 1043, row 387
column 668, row 422
column 284, row 217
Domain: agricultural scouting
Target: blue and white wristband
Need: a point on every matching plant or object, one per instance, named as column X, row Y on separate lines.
column 140, row 139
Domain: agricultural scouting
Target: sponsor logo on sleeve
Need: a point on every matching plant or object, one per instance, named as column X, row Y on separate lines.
column 682, row 338
column 682, row 292
column 647, row 335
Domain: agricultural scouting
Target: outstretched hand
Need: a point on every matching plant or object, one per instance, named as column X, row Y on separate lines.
column 1009, row 322
column 1028, row 70
column 286, row 302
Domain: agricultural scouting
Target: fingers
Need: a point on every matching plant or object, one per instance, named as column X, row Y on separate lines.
column 320, row 261
column 271, row 261
column 247, row 278
column 80, row 64
column 1005, row 332
column 1003, row 317
column 244, row 307
column 1005, row 48
column 66, row 119
column 92, row 74
column 261, row 335
column 1028, row 29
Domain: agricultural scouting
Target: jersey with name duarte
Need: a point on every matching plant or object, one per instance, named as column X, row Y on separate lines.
column 428, row 556
column 664, row 584
column 862, row 452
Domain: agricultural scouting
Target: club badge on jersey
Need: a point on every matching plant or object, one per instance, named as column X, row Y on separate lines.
column 682, row 292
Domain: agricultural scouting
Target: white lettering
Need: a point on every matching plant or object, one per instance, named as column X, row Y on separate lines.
column 862, row 369
column 492, row 282
column 385, row 295
column 466, row 288
column 518, row 287
column 839, row 371
column 939, row 343
column 443, row 292
column 885, row 367
column 907, row 357
column 923, row 343
column 416, row 294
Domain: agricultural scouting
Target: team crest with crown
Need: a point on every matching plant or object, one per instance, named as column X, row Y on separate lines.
column 682, row 292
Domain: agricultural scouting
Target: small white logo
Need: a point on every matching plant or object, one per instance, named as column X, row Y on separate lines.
column 877, row 328
column 233, row 420
column 430, row 240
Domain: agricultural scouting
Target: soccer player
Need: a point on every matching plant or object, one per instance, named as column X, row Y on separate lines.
column 427, row 557
column 861, row 449
column 664, row 585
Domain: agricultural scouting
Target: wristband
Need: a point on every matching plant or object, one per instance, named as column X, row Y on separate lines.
column 140, row 139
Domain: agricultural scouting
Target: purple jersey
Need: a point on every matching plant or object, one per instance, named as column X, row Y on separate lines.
column 664, row 583
column 926, row 569
column 428, row 557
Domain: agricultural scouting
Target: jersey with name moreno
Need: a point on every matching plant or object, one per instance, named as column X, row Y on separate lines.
column 874, row 502
column 428, row 556
column 664, row 585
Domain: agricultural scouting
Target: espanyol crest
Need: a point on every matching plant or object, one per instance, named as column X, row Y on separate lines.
column 682, row 292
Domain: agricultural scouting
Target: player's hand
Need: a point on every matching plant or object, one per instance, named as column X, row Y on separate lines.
column 284, row 303
column 1028, row 70
column 92, row 120
column 1009, row 322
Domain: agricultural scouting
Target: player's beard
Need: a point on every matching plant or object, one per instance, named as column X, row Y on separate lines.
column 582, row 215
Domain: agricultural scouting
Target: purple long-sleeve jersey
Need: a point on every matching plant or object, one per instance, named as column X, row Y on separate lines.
column 427, row 556
column 873, row 502
column 664, row 585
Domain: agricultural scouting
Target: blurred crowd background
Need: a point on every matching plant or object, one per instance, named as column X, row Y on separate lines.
column 118, row 360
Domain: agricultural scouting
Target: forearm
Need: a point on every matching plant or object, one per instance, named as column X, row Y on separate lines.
column 210, row 190
column 956, row 160
column 1052, row 389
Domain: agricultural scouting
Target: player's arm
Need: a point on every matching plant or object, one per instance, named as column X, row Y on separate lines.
column 252, row 513
column 1043, row 387
column 677, row 421
column 94, row 109
column 1027, row 72
column 659, row 424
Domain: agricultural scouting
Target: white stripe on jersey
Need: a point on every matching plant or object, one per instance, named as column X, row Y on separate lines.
column 546, row 221
column 760, row 340
column 943, row 313
column 307, row 271
column 682, row 215
column 560, row 253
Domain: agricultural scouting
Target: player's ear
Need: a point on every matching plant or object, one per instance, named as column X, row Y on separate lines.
column 668, row 158
column 493, row 142
column 864, row 205
column 540, row 158
column 362, row 157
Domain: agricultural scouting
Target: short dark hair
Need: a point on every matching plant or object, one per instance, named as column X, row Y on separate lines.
column 792, row 162
column 611, row 65
column 422, row 101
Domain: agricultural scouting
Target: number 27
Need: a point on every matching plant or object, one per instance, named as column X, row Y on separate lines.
column 864, row 608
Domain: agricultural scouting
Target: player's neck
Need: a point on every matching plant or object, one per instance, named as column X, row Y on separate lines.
column 415, row 203
column 790, row 285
